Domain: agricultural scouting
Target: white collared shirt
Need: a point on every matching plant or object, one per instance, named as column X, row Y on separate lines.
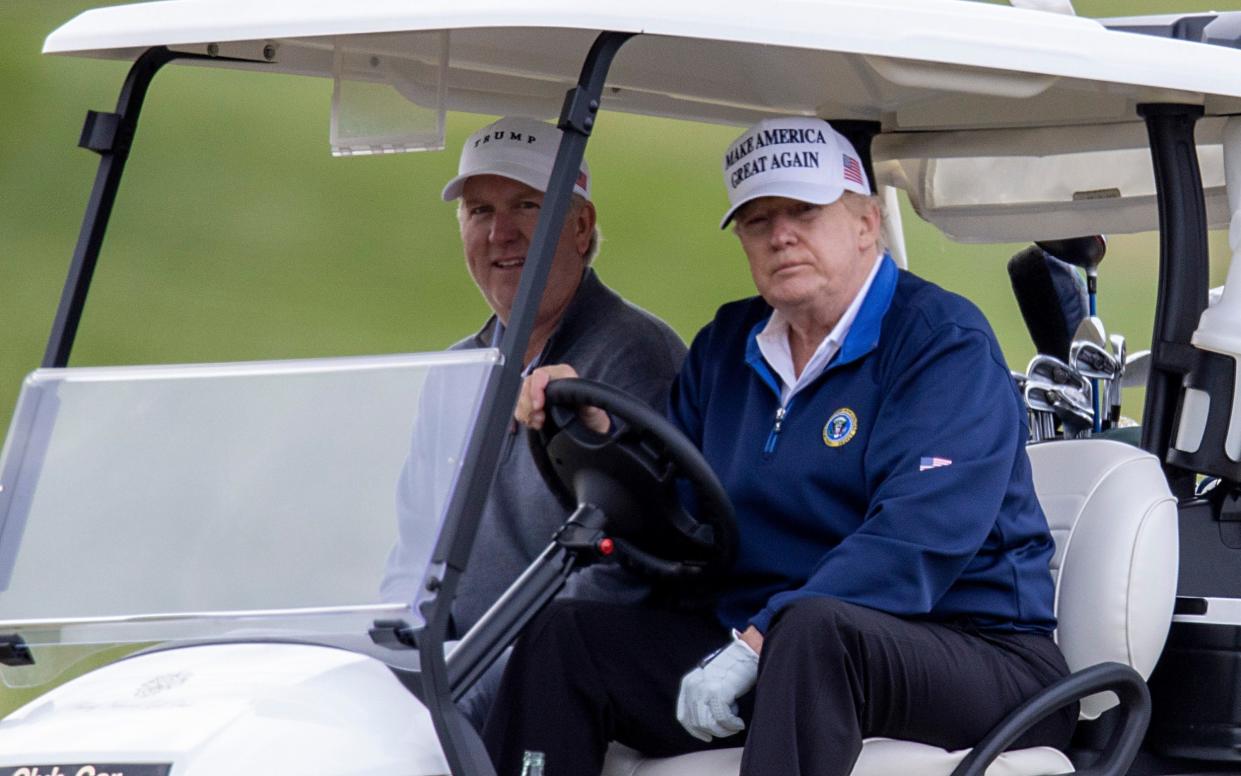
column 773, row 343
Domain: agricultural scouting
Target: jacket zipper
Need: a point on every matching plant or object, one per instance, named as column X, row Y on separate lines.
column 774, row 436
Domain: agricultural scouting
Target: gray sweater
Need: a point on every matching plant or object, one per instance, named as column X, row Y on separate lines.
column 604, row 338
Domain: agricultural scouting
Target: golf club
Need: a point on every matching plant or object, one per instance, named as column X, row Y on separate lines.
column 1042, row 413
column 1048, row 377
column 1137, row 369
column 1084, row 252
column 1120, row 353
column 1089, row 355
column 1073, row 411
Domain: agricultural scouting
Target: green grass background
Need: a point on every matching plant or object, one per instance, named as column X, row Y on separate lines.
column 237, row 236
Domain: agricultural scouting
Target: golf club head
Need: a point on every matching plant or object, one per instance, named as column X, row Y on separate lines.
column 1036, row 396
column 1053, row 371
column 1072, row 398
column 1091, row 330
column 1120, row 352
column 1084, row 252
column 1042, row 419
column 1088, row 352
column 1137, row 369
column 1042, row 396
column 1075, row 398
column 1048, row 401
column 1074, row 418
column 1119, row 347
column 1090, row 360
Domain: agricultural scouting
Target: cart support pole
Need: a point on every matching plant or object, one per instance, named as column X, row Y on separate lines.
column 110, row 135
column 1183, row 275
column 462, row 746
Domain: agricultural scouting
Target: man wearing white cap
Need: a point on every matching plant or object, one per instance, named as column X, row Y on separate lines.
column 502, row 175
column 892, row 575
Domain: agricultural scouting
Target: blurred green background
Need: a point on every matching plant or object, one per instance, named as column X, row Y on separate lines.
column 237, row 236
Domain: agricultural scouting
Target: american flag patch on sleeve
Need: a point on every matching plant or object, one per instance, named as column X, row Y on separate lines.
column 933, row 463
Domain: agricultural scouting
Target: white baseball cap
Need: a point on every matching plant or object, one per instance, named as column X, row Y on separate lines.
column 519, row 148
column 793, row 156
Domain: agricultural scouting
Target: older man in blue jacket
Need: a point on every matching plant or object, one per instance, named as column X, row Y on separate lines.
column 892, row 577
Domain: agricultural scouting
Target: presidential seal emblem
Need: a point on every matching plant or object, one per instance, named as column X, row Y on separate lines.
column 840, row 427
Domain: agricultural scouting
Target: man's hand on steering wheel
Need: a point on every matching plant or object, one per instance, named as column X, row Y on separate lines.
column 532, row 401
column 599, row 447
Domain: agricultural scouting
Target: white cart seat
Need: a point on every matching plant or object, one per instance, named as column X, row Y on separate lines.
column 880, row 757
column 1115, row 526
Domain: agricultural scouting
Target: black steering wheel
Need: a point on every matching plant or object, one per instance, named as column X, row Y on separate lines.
column 631, row 474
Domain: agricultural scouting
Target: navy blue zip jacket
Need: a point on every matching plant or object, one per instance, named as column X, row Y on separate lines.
column 897, row 480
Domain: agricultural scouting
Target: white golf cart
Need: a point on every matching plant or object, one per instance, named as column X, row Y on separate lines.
column 234, row 519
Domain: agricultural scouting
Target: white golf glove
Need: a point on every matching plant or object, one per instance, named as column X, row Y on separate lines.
column 707, row 705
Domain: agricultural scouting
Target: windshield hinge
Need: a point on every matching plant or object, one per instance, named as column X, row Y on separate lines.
column 393, row 634
column 14, row 651
column 578, row 113
column 101, row 133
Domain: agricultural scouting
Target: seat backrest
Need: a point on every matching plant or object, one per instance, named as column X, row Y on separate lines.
column 1114, row 521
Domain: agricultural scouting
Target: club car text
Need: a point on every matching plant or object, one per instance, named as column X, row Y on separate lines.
column 87, row 769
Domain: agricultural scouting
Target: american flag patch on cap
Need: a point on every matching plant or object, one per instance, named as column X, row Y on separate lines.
column 853, row 172
column 933, row 462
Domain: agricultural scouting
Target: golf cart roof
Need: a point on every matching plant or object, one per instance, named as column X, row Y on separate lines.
column 909, row 64
column 1001, row 123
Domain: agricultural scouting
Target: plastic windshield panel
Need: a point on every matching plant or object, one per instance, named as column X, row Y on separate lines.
column 165, row 503
column 389, row 103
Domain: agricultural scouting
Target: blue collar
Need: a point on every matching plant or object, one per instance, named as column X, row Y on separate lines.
column 863, row 335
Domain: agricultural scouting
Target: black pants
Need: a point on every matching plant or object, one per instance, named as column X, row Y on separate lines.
column 830, row 674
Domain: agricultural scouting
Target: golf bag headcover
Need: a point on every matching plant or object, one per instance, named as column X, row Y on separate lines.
column 1052, row 298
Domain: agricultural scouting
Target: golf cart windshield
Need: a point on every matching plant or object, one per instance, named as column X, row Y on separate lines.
column 169, row 503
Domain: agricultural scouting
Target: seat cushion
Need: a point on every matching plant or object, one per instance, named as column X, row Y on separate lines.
column 1115, row 524
column 880, row 757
